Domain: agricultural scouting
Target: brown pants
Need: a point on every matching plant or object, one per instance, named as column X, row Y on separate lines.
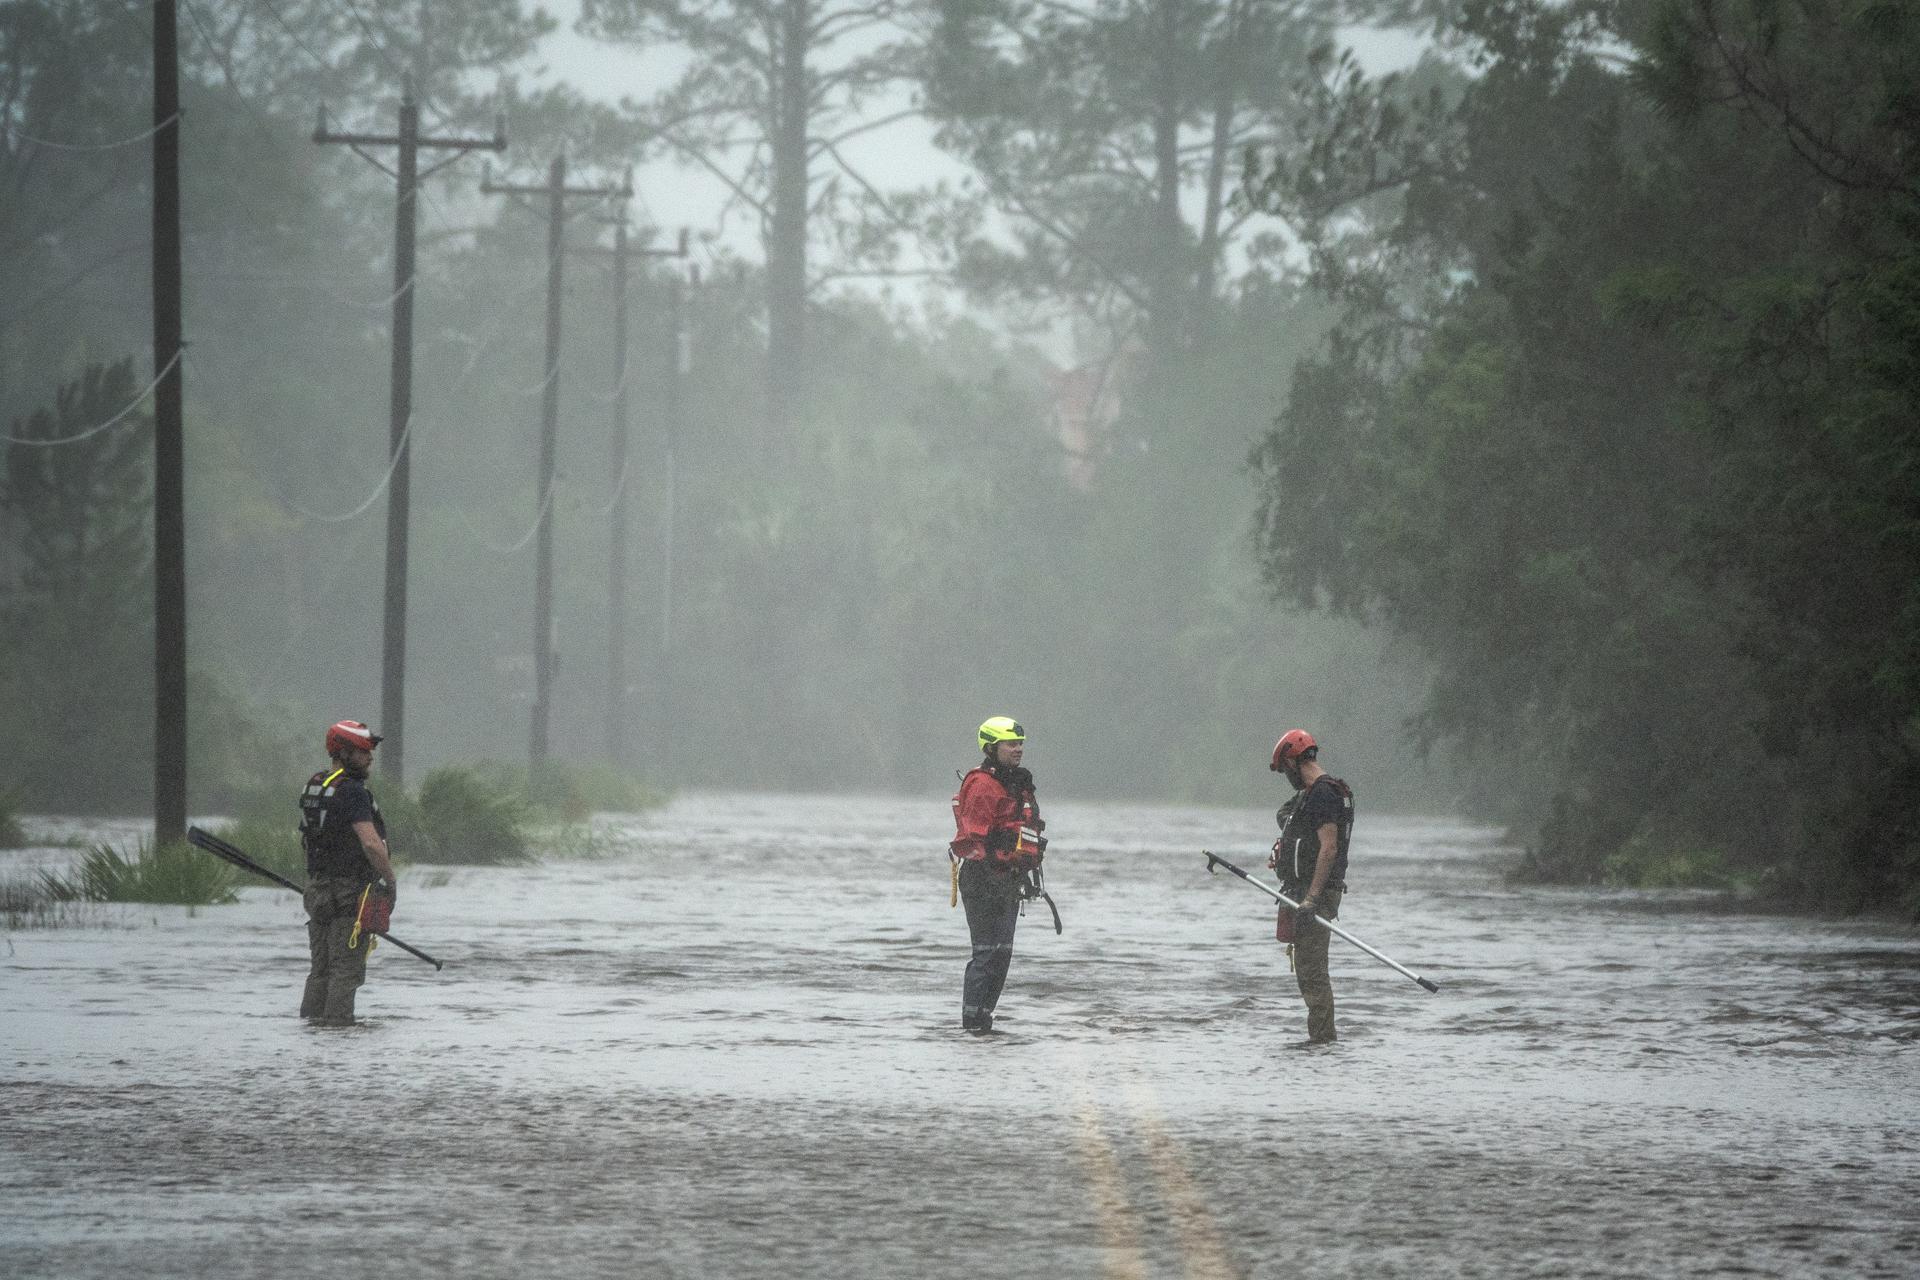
column 337, row 970
column 1310, row 969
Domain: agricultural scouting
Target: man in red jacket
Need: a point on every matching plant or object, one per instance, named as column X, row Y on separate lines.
column 996, row 850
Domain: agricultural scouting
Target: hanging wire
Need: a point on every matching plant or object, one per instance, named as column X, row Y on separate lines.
column 298, row 40
column 51, row 145
column 378, row 489
column 481, row 538
column 285, row 282
column 608, row 397
column 619, row 489
column 541, row 385
column 96, row 430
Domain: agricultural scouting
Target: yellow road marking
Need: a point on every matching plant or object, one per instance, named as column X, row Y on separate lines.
column 1200, row 1247
column 1124, row 1261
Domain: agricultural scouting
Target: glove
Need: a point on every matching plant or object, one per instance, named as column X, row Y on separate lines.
column 1303, row 915
column 390, row 890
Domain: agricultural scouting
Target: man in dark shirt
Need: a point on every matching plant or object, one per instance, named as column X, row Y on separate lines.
column 350, row 882
column 1311, row 857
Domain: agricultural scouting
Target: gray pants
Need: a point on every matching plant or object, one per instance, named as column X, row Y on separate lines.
column 992, row 899
column 337, row 970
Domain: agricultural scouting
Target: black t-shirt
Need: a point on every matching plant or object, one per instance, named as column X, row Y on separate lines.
column 1322, row 804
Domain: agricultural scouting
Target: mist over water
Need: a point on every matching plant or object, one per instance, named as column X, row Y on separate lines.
column 732, row 1049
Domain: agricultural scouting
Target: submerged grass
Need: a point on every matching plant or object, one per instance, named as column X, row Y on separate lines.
column 26, row 903
column 12, row 834
column 172, row 872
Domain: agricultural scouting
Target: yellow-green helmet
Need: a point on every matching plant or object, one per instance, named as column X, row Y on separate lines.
column 1000, row 729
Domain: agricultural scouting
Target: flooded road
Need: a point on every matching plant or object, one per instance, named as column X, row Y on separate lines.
column 730, row 1048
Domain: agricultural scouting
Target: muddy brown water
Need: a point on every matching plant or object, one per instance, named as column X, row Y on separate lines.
column 729, row 1048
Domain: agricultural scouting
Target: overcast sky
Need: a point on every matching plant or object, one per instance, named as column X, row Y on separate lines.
column 669, row 195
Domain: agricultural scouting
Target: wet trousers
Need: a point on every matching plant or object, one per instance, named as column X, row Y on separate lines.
column 1310, row 969
column 337, row 970
column 992, row 900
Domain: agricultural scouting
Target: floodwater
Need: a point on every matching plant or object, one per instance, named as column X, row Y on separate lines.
column 731, row 1049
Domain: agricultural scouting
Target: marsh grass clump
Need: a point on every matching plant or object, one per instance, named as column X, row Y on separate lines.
column 12, row 834
column 25, row 903
column 274, row 844
column 460, row 816
column 172, row 872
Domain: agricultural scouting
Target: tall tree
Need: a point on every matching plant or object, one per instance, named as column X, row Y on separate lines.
column 1584, row 429
column 773, row 92
column 75, row 603
column 1108, row 132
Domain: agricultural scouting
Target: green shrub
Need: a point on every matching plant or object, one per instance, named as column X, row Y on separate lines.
column 461, row 816
column 275, row 845
column 1646, row 863
column 173, row 872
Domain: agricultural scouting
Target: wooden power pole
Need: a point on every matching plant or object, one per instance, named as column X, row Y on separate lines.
column 617, row 700
column 169, row 450
column 393, row 663
column 556, row 191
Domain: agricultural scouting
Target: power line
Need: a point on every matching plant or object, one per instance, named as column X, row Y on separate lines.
column 408, row 143
column 539, row 522
column 557, row 193
column 378, row 489
column 92, row 431
column 142, row 136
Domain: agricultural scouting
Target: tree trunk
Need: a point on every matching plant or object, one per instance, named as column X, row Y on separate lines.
column 787, row 235
column 1164, row 321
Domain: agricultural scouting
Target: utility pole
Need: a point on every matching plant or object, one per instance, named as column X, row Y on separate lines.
column 556, row 191
column 169, row 445
column 679, row 361
column 617, row 700
column 393, row 663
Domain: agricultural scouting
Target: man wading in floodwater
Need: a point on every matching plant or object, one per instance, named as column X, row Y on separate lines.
column 1311, row 858
column 996, row 853
column 350, row 882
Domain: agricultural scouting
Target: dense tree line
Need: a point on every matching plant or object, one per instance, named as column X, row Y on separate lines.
column 859, row 533
column 1619, row 424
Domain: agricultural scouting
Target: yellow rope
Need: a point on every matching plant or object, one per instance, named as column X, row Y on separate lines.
column 954, row 901
column 359, row 914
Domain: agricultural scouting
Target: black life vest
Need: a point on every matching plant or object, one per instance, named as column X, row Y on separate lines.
column 333, row 847
column 1299, row 848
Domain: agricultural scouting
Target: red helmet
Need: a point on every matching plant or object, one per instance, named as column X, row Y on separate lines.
column 351, row 733
column 1294, row 744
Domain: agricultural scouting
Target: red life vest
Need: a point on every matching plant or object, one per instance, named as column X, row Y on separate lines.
column 990, row 824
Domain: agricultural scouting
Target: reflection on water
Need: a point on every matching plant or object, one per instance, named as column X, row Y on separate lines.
column 732, row 1050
